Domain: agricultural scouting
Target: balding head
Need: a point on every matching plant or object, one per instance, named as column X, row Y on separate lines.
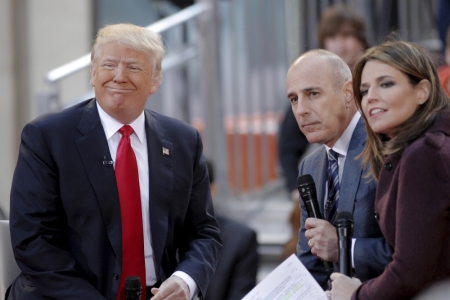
column 340, row 71
column 320, row 90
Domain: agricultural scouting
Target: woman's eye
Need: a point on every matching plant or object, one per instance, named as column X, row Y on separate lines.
column 387, row 84
column 363, row 92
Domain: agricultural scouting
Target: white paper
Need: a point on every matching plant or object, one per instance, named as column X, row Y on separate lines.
column 289, row 281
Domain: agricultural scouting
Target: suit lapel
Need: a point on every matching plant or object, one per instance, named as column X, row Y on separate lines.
column 161, row 184
column 320, row 176
column 93, row 149
column 351, row 176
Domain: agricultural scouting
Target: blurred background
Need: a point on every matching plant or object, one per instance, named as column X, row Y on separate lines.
column 224, row 73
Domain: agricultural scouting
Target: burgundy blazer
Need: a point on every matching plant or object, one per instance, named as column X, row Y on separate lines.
column 413, row 209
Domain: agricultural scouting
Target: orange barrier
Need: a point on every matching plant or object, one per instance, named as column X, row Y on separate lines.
column 272, row 130
column 251, row 151
column 231, row 145
column 257, row 131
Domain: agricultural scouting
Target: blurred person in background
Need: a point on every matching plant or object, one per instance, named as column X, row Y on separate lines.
column 444, row 71
column 443, row 21
column 343, row 32
column 407, row 118
column 106, row 189
column 319, row 88
column 237, row 268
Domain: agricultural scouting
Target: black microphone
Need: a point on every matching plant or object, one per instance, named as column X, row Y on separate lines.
column 307, row 189
column 133, row 288
column 344, row 227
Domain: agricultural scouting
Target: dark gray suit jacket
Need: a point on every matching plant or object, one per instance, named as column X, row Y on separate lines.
column 237, row 268
column 65, row 214
column 357, row 196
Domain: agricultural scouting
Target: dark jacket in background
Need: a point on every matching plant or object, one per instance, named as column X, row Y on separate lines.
column 292, row 143
column 237, row 268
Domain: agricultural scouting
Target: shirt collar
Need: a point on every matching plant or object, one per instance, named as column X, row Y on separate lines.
column 341, row 145
column 111, row 125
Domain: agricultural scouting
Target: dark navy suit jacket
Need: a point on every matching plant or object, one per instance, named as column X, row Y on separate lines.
column 65, row 214
column 356, row 195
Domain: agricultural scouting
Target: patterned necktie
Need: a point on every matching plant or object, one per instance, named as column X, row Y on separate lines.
column 333, row 186
column 133, row 263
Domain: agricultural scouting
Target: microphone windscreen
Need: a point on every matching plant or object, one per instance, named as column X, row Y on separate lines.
column 344, row 215
column 133, row 282
column 133, row 288
column 305, row 179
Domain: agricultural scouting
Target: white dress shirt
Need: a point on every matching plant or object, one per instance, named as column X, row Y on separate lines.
column 139, row 144
column 341, row 147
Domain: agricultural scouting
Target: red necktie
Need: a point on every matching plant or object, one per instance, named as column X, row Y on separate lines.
column 133, row 263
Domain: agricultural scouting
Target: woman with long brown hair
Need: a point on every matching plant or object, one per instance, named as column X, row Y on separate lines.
column 408, row 150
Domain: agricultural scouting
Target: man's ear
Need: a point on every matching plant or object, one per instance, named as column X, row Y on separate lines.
column 423, row 91
column 347, row 89
column 154, row 87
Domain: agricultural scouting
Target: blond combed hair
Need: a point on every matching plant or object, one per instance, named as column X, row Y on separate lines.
column 137, row 38
column 417, row 64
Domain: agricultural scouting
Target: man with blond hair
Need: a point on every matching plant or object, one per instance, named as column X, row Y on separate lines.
column 106, row 189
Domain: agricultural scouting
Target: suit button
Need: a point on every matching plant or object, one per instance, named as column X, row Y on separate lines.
column 388, row 166
column 377, row 216
column 115, row 276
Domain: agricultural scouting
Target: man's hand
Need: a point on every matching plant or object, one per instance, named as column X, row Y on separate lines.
column 322, row 239
column 342, row 287
column 174, row 288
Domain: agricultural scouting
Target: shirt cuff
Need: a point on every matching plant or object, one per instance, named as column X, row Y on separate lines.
column 189, row 281
column 353, row 252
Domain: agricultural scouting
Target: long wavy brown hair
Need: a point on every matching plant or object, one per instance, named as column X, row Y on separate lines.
column 417, row 64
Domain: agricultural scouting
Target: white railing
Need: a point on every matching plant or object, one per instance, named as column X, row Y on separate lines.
column 51, row 101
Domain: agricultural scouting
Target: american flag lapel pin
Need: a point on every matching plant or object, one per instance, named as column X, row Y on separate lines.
column 165, row 151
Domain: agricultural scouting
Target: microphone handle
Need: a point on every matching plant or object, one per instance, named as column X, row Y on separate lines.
column 328, row 267
column 345, row 265
column 312, row 207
